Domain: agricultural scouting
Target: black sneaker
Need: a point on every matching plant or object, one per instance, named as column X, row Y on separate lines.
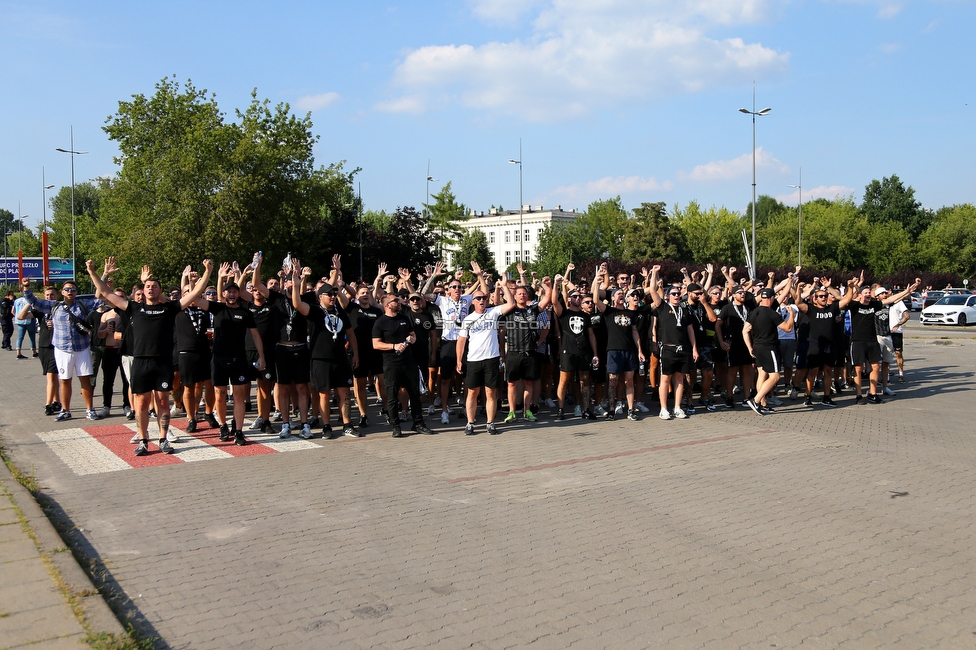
column 751, row 403
column 142, row 449
column 363, row 421
column 765, row 410
column 634, row 415
column 397, row 432
column 239, row 438
column 709, row 406
column 610, row 416
column 560, row 414
column 131, row 415
column 469, row 429
column 152, row 414
column 191, row 426
column 875, row 399
column 730, row 403
column 347, row 430
column 901, row 379
column 211, row 421
column 165, row 447
column 808, row 401
column 49, row 410
column 828, row 402
column 690, row 409
column 492, row 429
column 588, row 415
column 266, row 427
column 57, row 406
column 224, row 433
column 423, row 428
column 327, row 431
column 858, row 400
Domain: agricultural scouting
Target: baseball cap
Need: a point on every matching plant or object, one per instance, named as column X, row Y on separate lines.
column 325, row 287
column 879, row 291
column 767, row 293
column 694, row 286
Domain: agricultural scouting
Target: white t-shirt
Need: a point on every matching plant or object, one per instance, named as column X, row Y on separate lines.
column 895, row 313
column 481, row 330
column 451, row 313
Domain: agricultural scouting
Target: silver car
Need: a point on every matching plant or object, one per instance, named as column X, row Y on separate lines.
column 953, row 309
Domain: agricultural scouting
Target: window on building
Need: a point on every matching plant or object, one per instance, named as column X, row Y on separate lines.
column 508, row 258
column 517, row 235
column 508, row 237
column 518, row 256
column 528, row 256
column 526, row 234
column 491, row 236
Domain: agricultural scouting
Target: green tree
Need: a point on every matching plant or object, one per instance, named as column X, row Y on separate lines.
column 607, row 219
column 710, row 236
column 948, row 246
column 562, row 243
column 445, row 213
column 409, row 240
column 651, row 235
column 767, row 209
column 87, row 209
column 7, row 221
column 474, row 246
column 890, row 201
column 889, row 249
column 26, row 241
column 835, row 235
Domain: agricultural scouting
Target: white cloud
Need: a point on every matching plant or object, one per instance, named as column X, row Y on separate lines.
column 931, row 27
column 889, row 10
column 314, row 103
column 503, row 12
column 583, row 56
column 402, row 105
column 611, row 186
column 889, row 48
column 829, row 192
column 735, row 168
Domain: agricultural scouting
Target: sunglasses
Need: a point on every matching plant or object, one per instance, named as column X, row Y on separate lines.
column 415, row 300
column 480, row 298
column 454, row 286
column 587, row 302
column 70, row 290
column 210, row 293
column 674, row 293
column 820, row 295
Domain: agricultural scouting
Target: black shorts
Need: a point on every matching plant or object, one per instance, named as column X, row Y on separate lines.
column 802, row 348
column 817, row 359
column 841, row 352
column 447, row 358
column 672, row 361
column 482, row 374
column 522, row 366
column 48, row 365
column 769, row 359
column 865, row 352
column 269, row 373
column 898, row 341
column 575, row 362
column 327, row 373
column 720, row 356
column 370, row 364
column 706, row 361
column 194, row 367
column 234, row 370
column 292, row 364
column 599, row 374
column 739, row 356
column 151, row 373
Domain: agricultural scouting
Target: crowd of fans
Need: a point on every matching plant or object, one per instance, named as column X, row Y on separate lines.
column 427, row 342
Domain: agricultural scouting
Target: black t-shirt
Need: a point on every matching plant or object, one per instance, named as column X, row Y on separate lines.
column 645, row 318
column 823, row 325
column 765, row 323
column 230, row 325
column 733, row 317
column 394, row 329
column 363, row 319
column 599, row 324
column 6, row 308
column 94, row 320
column 328, row 332
column 672, row 326
column 521, row 329
column 45, row 332
column 863, row 319
column 575, row 327
column 423, row 325
column 151, row 328
column 191, row 330
column 293, row 328
column 704, row 328
column 620, row 328
column 266, row 320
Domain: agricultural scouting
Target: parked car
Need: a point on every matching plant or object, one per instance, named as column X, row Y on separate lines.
column 914, row 302
column 931, row 298
column 952, row 309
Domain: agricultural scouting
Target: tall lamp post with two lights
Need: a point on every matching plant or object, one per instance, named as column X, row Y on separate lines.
column 73, row 153
column 521, row 232
column 754, row 114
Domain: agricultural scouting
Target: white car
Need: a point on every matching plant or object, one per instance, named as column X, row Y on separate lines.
column 952, row 309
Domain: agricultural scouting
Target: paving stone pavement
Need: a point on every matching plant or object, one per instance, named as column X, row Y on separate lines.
column 847, row 527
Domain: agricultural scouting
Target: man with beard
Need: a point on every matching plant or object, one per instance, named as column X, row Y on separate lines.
column 393, row 333
column 760, row 336
column 521, row 327
column 822, row 346
column 728, row 331
column 426, row 345
column 577, row 350
column 623, row 341
column 675, row 336
column 363, row 314
column 152, row 325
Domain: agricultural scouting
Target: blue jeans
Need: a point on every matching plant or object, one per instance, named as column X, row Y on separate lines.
column 29, row 329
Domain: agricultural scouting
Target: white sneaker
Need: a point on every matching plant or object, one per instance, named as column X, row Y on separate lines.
column 172, row 435
column 136, row 439
column 285, row 431
column 306, row 432
column 599, row 411
column 578, row 412
column 665, row 415
column 176, row 411
column 680, row 414
column 888, row 391
column 640, row 406
column 445, row 417
column 105, row 412
column 437, row 401
column 618, row 411
column 551, row 404
column 431, row 410
column 257, row 425
column 772, row 400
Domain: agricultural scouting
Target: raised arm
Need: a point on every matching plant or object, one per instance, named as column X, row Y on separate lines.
column 101, row 288
column 296, row 289
column 197, row 292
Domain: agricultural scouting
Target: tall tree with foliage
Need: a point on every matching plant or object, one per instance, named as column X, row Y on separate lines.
column 949, row 246
column 409, row 241
column 652, row 235
column 562, row 243
column 7, row 220
column 474, row 246
column 87, row 209
column 767, row 209
column 606, row 219
column 445, row 213
column 889, row 200
column 711, row 235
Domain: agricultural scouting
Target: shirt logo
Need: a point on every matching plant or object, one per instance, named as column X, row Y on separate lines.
column 621, row 320
column 576, row 324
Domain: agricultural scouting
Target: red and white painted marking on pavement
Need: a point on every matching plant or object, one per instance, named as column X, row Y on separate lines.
column 106, row 448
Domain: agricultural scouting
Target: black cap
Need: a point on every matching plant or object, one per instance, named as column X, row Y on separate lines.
column 694, row 286
column 767, row 293
column 230, row 285
column 325, row 288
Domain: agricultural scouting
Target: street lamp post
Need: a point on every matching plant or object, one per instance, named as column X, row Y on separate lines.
column 73, row 153
column 20, row 229
column 440, row 239
column 799, row 222
column 754, row 113
column 521, row 232
column 45, row 187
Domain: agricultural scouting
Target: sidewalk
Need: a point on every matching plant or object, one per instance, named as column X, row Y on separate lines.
column 34, row 612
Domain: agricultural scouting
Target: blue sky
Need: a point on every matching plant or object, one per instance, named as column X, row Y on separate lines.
column 636, row 98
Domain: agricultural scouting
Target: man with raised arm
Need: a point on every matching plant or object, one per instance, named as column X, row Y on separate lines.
column 152, row 325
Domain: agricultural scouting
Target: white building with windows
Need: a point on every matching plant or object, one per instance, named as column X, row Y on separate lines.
column 513, row 236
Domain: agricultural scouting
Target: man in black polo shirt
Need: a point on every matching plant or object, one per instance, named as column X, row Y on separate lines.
column 624, row 350
column 424, row 349
column 151, row 325
column 762, row 341
column 521, row 326
column 675, row 335
column 393, row 334
column 577, row 349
